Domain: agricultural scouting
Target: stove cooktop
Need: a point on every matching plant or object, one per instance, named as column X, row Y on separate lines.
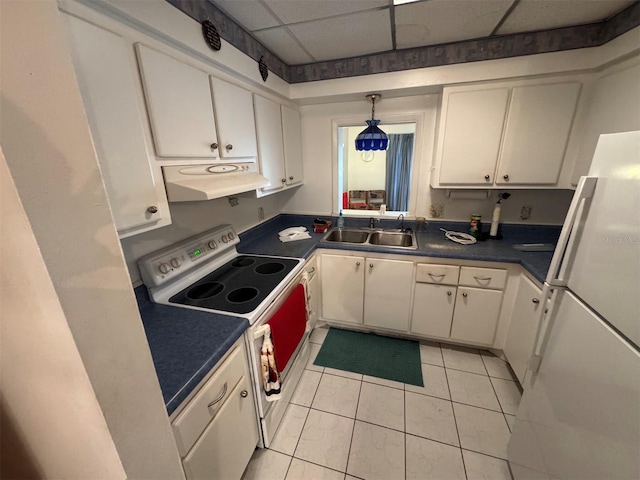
column 239, row 286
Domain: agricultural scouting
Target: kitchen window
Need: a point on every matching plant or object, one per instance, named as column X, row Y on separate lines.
column 366, row 180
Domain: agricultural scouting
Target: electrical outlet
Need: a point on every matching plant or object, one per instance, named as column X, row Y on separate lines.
column 436, row 210
column 525, row 212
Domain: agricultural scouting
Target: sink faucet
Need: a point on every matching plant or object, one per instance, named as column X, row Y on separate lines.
column 401, row 218
column 372, row 222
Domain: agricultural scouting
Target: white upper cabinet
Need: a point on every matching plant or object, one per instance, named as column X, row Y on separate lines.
column 471, row 136
column 292, row 137
column 180, row 106
column 538, row 126
column 270, row 143
column 514, row 134
column 279, row 144
column 106, row 71
column 235, row 120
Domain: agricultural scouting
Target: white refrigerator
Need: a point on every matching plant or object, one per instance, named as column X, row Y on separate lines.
column 579, row 417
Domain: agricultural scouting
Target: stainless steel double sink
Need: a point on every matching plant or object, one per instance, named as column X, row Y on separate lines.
column 388, row 238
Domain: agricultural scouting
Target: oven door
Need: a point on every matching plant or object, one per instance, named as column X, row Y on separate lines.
column 287, row 318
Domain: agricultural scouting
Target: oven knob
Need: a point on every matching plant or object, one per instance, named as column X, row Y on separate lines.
column 175, row 263
column 225, row 239
column 231, row 235
column 212, row 244
column 164, row 268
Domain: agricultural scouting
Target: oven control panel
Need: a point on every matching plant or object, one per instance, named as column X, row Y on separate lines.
column 183, row 257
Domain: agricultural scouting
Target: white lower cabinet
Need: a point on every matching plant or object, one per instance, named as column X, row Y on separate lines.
column 343, row 288
column 387, row 293
column 433, row 309
column 476, row 315
column 216, row 431
column 518, row 347
column 370, row 291
column 444, row 306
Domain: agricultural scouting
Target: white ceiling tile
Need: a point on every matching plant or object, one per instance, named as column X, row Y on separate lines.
column 532, row 15
column 346, row 36
column 251, row 14
column 443, row 21
column 292, row 11
column 280, row 42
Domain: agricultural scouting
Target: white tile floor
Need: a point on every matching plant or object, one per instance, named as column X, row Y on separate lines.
column 342, row 425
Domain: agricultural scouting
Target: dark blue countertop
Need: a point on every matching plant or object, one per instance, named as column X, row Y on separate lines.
column 185, row 344
column 263, row 240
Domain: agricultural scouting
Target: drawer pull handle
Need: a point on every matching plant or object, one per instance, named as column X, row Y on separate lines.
column 244, row 394
column 434, row 275
column 221, row 396
column 464, row 295
column 312, row 271
column 482, row 279
column 535, row 300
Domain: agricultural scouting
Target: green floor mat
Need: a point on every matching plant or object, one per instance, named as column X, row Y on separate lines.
column 370, row 354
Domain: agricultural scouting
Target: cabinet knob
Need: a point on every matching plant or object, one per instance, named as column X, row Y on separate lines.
column 535, row 300
column 291, row 178
column 357, row 264
column 244, row 394
column 214, row 146
column 449, row 293
column 506, row 177
column 464, row 295
column 229, row 147
column 371, row 265
column 487, row 177
column 283, row 180
column 152, row 209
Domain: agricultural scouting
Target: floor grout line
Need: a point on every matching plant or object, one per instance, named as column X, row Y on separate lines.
column 353, row 430
column 455, row 421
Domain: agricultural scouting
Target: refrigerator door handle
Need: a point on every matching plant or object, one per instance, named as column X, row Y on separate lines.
column 585, row 189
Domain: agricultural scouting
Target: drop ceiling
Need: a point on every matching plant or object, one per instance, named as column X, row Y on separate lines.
column 310, row 31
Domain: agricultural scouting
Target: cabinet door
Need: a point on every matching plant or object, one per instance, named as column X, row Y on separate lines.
column 314, row 300
column 470, row 135
column 433, row 309
column 106, row 74
column 476, row 315
column 270, row 143
column 236, row 123
column 387, row 299
column 225, row 448
column 292, row 136
column 536, row 134
column 518, row 347
column 342, row 288
column 180, row 107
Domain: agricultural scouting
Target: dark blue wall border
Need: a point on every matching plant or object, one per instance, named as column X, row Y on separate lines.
column 491, row 48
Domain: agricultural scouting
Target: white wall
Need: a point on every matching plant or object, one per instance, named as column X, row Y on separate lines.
column 614, row 107
column 45, row 137
column 549, row 206
column 44, row 428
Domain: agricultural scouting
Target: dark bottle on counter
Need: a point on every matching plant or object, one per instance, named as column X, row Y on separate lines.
column 475, row 225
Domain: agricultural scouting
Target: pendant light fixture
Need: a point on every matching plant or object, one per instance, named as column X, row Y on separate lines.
column 372, row 138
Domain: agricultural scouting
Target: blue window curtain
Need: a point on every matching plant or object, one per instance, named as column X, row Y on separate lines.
column 398, row 179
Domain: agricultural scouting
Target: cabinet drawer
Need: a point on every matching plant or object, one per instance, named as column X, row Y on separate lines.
column 483, row 277
column 439, row 274
column 188, row 426
column 225, row 448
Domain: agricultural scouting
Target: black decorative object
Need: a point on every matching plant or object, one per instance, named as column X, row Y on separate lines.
column 264, row 71
column 211, row 35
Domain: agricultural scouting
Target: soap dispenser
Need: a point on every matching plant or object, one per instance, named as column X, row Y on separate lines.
column 340, row 220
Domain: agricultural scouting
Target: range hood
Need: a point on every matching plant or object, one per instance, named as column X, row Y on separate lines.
column 192, row 183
